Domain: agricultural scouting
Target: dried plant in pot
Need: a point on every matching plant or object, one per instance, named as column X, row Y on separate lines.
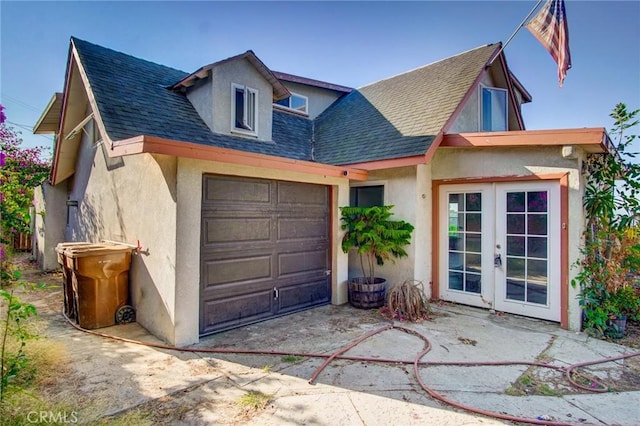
column 376, row 239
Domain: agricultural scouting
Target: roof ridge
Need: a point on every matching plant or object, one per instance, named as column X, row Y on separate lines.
column 429, row 64
column 75, row 41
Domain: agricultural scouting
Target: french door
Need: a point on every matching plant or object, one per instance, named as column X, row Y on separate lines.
column 500, row 246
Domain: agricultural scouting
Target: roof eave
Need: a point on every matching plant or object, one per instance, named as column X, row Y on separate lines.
column 49, row 121
column 311, row 82
column 279, row 90
column 594, row 139
column 154, row 145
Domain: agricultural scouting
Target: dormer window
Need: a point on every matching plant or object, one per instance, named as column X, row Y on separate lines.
column 493, row 110
column 244, row 109
column 295, row 102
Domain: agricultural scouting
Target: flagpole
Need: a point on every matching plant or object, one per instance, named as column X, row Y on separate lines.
column 493, row 58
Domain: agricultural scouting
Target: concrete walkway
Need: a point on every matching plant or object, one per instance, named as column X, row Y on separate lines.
column 202, row 388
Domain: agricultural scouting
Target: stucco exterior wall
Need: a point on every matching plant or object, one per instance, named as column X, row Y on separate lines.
column 319, row 99
column 189, row 201
column 469, row 118
column 50, row 217
column 135, row 201
column 491, row 162
column 401, row 191
column 423, row 240
column 201, row 97
column 240, row 72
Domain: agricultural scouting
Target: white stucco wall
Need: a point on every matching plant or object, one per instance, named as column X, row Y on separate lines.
column 189, row 190
column 50, row 219
column 133, row 202
column 490, row 162
column 401, row 189
column 239, row 72
column 201, row 97
column 469, row 118
column 423, row 240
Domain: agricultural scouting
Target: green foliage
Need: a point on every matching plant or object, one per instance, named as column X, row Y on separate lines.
column 375, row 237
column 13, row 360
column 291, row 358
column 21, row 170
column 611, row 252
column 255, row 400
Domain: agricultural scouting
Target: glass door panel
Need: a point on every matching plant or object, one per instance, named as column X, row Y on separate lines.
column 527, row 239
column 465, row 242
column 527, row 246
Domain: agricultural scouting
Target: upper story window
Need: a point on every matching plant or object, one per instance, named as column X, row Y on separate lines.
column 493, row 109
column 244, row 107
column 295, row 102
column 367, row 196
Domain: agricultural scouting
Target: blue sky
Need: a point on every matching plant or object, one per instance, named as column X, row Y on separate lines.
column 347, row 43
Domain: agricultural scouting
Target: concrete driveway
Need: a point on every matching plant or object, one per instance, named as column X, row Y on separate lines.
column 204, row 388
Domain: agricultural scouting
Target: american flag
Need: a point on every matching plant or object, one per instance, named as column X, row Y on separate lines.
column 549, row 26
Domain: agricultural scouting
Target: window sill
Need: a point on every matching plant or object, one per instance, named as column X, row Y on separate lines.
column 289, row 110
column 247, row 133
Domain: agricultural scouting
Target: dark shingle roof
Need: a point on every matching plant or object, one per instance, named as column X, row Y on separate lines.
column 399, row 116
column 133, row 99
column 393, row 118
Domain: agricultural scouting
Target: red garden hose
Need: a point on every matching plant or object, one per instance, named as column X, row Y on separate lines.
column 417, row 362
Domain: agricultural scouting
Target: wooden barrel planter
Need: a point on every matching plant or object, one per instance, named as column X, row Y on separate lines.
column 365, row 296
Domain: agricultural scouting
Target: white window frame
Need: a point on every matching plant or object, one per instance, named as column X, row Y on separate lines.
column 250, row 110
column 289, row 108
column 481, row 108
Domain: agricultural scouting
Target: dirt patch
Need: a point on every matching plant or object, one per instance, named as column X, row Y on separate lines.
column 217, row 401
column 631, row 337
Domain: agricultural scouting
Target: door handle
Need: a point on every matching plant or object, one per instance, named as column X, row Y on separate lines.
column 497, row 260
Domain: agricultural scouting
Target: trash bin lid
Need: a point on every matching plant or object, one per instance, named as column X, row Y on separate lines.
column 61, row 247
column 96, row 250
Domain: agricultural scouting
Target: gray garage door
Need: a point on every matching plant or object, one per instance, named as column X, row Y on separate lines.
column 265, row 250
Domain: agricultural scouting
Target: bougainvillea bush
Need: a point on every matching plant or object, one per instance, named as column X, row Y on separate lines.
column 21, row 170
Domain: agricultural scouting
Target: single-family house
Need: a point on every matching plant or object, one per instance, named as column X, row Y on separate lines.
column 230, row 179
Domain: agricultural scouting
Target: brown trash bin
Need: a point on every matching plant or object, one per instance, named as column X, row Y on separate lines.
column 100, row 281
column 70, row 308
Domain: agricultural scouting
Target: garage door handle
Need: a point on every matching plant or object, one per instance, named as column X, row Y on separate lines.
column 276, row 293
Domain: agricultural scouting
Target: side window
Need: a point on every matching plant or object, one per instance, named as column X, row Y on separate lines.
column 494, row 109
column 244, row 109
column 295, row 102
column 367, row 196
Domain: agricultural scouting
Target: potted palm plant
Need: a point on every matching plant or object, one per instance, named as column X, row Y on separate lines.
column 375, row 238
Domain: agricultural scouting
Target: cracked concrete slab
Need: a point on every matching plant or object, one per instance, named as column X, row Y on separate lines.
column 197, row 388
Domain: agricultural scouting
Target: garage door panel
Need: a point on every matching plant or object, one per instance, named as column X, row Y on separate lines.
column 302, row 262
column 301, row 228
column 238, row 270
column 252, row 251
column 304, row 194
column 224, row 191
column 227, row 290
column 224, row 230
column 303, row 296
column 234, row 311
